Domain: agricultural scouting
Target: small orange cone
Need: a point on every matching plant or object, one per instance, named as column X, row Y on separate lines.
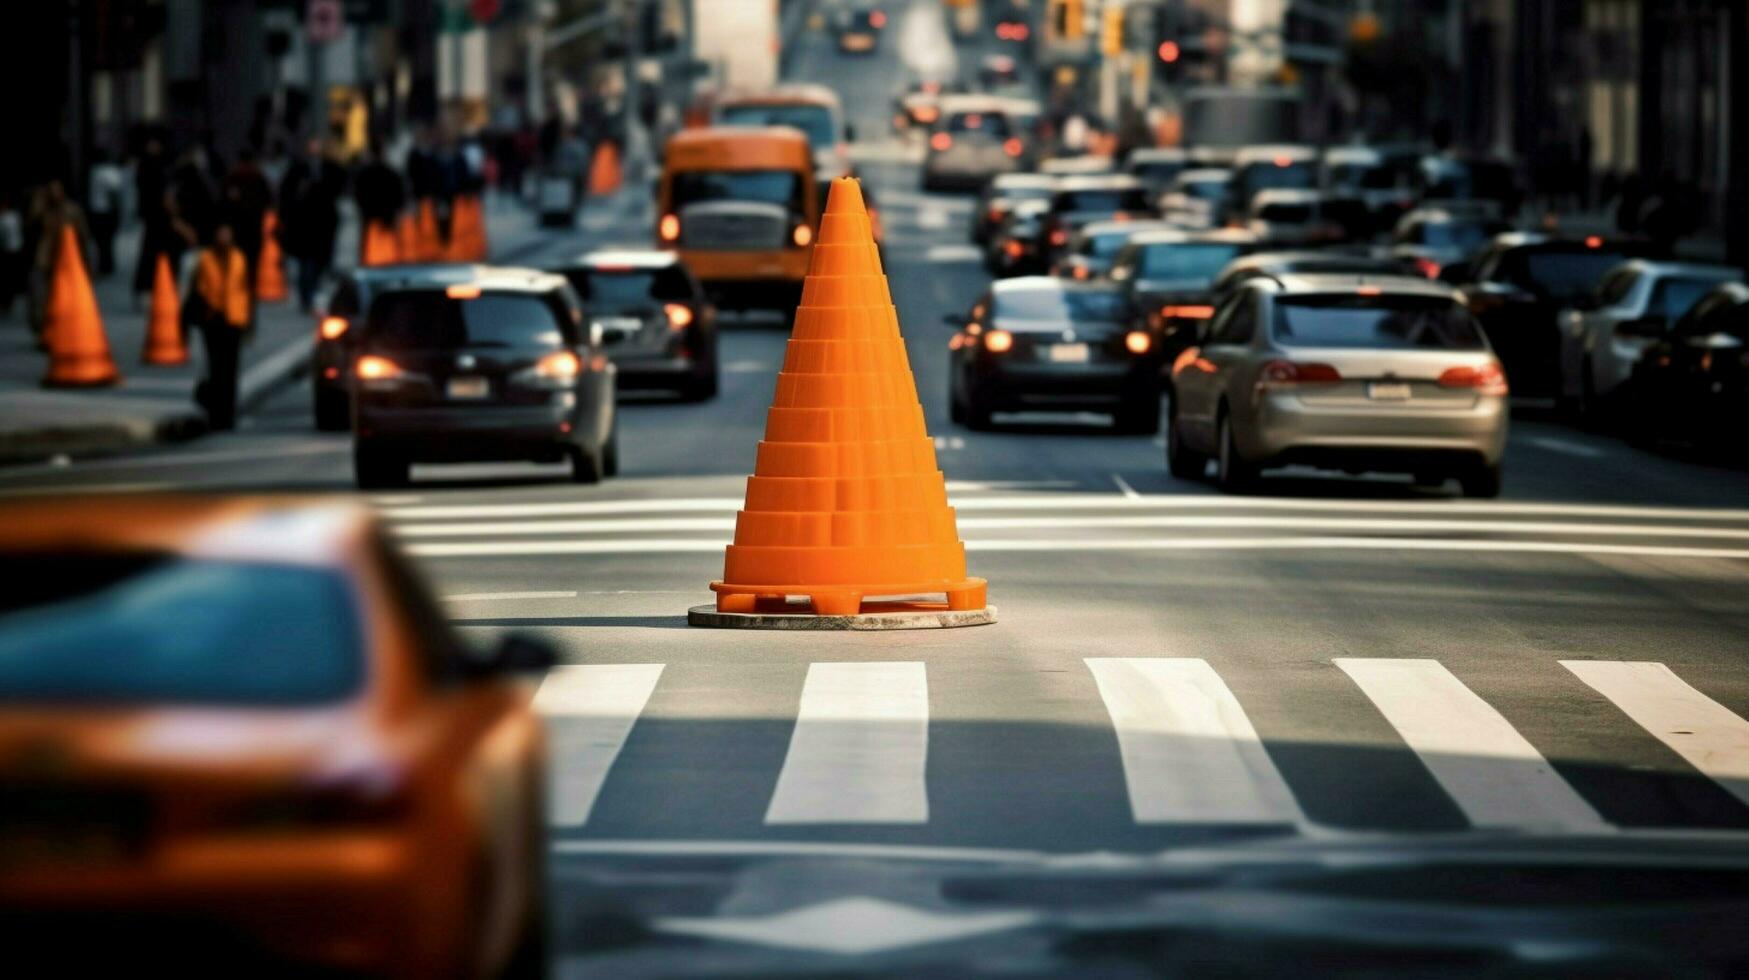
column 270, row 264
column 78, row 347
column 164, row 323
column 460, row 248
column 379, row 246
column 482, row 242
column 430, row 237
column 408, row 236
column 605, row 176
column 846, row 501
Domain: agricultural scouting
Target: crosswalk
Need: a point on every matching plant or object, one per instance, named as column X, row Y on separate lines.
column 858, row 751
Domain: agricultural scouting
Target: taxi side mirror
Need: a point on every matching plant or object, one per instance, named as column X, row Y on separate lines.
column 520, row 653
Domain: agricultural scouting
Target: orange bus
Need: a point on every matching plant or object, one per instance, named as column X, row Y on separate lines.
column 740, row 205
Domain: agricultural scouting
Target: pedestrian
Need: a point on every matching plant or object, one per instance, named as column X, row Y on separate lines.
column 310, row 217
column 379, row 190
column 103, row 204
column 247, row 196
column 153, row 200
column 221, row 289
column 197, row 197
column 12, row 261
column 51, row 213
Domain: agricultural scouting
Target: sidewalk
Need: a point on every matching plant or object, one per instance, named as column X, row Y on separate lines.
column 156, row 404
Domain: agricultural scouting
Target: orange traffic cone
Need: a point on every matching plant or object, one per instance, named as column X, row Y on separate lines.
column 430, row 237
column 461, row 234
column 270, row 264
column 378, row 246
column 78, row 347
column 846, row 502
column 605, row 176
column 482, row 242
column 407, row 234
column 164, row 323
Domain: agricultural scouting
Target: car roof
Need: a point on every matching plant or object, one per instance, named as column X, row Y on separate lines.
column 1231, row 236
column 1133, row 227
column 1272, row 260
column 1160, row 154
column 1285, row 195
column 1022, row 180
column 1268, row 152
column 1201, row 175
column 1353, row 154
column 1098, row 182
column 1699, row 270
column 1303, row 283
column 1452, row 211
column 435, row 272
column 267, row 529
column 1047, row 284
column 639, row 258
column 498, row 279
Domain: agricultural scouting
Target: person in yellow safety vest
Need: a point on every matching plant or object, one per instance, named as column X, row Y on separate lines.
column 221, row 284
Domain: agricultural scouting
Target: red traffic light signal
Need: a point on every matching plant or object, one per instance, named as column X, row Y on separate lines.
column 1169, row 51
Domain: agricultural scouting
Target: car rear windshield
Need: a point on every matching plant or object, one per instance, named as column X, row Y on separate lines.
column 1113, row 200
column 1186, row 260
column 1378, row 322
column 1157, row 173
column 153, row 629
column 1675, row 296
column 429, row 320
column 815, row 121
column 1270, row 176
column 1062, row 305
column 1104, row 245
column 781, row 187
column 1366, row 175
column 1286, row 213
column 1560, row 274
column 623, row 288
column 1454, row 234
column 991, row 124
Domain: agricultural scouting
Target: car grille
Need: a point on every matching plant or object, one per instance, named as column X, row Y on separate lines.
column 740, row 229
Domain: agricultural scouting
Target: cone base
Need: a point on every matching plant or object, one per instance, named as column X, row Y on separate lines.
column 965, row 595
column 878, row 617
column 164, row 360
column 107, row 380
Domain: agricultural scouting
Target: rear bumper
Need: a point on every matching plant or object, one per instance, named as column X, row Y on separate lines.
column 1286, row 429
column 1096, row 387
column 764, row 265
column 459, row 432
column 658, row 371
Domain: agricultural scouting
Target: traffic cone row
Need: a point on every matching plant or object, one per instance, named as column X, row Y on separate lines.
column 846, row 501
column 467, row 230
column 164, row 344
column 73, row 329
column 270, row 264
column 378, row 245
column 606, row 174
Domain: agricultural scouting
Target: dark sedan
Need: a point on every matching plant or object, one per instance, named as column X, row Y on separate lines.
column 1045, row 344
column 1080, row 200
column 501, row 367
column 654, row 320
column 1692, row 386
column 1169, row 277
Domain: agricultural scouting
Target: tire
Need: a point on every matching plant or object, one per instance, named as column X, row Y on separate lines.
column 977, row 412
column 332, row 411
column 1481, row 480
column 1181, row 461
column 586, row 464
column 610, row 449
column 1233, row 473
column 377, row 470
column 701, row 389
column 1139, row 417
column 956, row 409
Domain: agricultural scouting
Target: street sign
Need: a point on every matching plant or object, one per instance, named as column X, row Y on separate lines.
column 324, row 20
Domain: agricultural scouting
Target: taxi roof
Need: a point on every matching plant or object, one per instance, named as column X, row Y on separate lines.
column 279, row 530
column 637, row 258
column 751, row 148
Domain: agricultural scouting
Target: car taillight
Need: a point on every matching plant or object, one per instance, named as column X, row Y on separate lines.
column 940, row 142
column 1138, row 342
column 1014, row 248
column 1180, row 312
column 1488, row 379
column 927, row 114
column 373, row 368
column 1080, row 272
column 1427, row 267
column 332, row 327
column 679, row 315
column 1012, row 147
column 877, row 18
column 668, row 229
column 1286, row 374
column 1059, row 236
column 803, row 236
column 997, row 341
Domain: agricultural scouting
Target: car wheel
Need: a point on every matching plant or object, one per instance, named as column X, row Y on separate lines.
column 1481, row 480
column 610, row 449
column 956, row 409
column 1182, row 461
column 702, row 388
column 1232, row 471
column 586, row 464
column 376, row 470
column 977, row 412
column 333, row 414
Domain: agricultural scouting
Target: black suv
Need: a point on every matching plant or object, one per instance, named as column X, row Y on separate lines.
column 500, row 367
column 654, row 320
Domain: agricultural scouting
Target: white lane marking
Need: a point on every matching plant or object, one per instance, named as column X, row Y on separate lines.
column 1124, row 487
column 1492, row 772
column 969, row 486
column 945, row 443
column 953, row 253
column 1091, row 501
column 859, row 747
column 931, row 218
column 394, row 500
column 747, row 367
column 590, row 711
column 146, row 460
column 1070, row 523
column 1189, row 752
column 636, row 546
column 1711, row 737
column 1564, row 446
column 489, row 596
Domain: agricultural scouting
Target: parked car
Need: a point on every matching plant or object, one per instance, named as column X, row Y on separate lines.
column 1169, row 278
column 242, row 737
column 1389, row 374
column 971, row 143
column 1691, row 385
column 1001, row 194
column 654, row 321
column 1041, row 343
column 501, row 367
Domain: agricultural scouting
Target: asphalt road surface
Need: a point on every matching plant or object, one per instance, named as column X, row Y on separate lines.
column 1171, row 665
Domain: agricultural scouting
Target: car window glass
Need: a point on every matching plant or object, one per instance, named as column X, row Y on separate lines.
column 1616, row 286
column 815, row 121
column 1239, row 326
column 1673, row 296
column 1186, row 260
column 992, row 124
column 782, row 187
column 611, row 289
column 426, row 320
column 1061, row 304
column 1378, row 322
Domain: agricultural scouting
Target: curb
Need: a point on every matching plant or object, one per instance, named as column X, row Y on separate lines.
column 99, row 438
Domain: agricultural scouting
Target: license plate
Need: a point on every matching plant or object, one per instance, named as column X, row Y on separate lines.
column 1068, row 354
column 1387, row 391
column 469, row 388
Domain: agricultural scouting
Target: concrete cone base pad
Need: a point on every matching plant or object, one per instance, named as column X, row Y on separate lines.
column 876, row 617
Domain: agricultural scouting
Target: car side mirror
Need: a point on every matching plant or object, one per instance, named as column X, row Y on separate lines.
column 520, row 653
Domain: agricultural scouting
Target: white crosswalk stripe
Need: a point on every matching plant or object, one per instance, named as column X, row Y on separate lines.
column 1496, row 777
column 590, row 711
column 1711, row 737
column 1189, row 752
column 859, row 747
